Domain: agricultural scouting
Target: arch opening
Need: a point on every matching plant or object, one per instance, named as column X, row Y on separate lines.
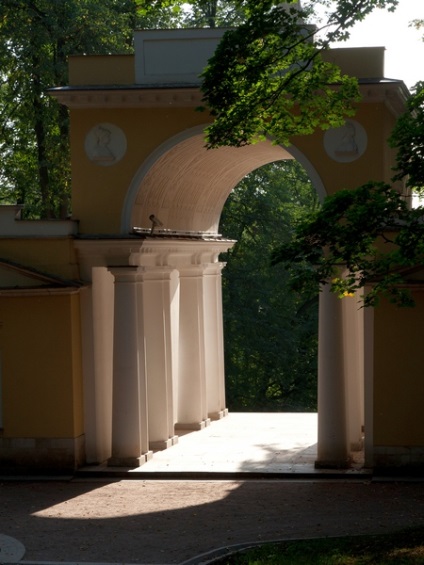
column 186, row 185
column 271, row 330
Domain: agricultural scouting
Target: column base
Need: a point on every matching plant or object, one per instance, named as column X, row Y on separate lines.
column 129, row 461
column 357, row 446
column 343, row 464
column 163, row 443
column 194, row 426
column 219, row 415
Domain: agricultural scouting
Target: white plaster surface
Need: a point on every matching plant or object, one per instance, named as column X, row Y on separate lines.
column 11, row 550
column 244, row 442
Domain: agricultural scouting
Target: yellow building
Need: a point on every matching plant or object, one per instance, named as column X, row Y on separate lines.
column 111, row 323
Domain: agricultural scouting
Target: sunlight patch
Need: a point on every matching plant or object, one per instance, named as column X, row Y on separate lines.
column 129, row 498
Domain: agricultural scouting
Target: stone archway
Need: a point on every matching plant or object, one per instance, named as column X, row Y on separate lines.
column 162, row 168
column 186, row 185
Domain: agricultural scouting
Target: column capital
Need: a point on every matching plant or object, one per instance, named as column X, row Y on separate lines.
column 158, row 273
column 126, row 274
column 180, row 253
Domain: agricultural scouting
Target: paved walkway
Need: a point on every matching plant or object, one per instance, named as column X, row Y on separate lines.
column 99, row 519
column 245, row 444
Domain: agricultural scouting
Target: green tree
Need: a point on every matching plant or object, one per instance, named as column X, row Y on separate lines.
column 268, row 77
column 36, row 38
column 214, row 13
column 371, row 234
column 270, row 331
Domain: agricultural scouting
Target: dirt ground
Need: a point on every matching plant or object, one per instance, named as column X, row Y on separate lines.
column 137, row 521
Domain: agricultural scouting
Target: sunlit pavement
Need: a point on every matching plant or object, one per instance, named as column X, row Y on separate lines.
column 245, row 444
column 98, row 517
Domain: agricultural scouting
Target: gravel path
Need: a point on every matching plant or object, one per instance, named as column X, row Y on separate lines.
column 157, row 522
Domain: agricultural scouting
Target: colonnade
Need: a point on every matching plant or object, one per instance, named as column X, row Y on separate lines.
column 153, row 351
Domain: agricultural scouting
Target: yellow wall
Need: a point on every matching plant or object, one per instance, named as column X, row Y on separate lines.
column 372, row 165
column 358, row 61
column 399, row 374
column 41, row 366
column 54, row 256
column 99, row 192
column 101, row 69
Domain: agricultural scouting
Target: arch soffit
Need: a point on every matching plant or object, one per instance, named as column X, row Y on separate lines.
column 186, row 185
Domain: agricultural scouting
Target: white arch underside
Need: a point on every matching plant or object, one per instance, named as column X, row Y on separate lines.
column 186, row 185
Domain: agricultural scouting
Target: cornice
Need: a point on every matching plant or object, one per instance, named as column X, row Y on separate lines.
column 131, row 97
column 393, row 93
column 47, row 291
column 149, row 252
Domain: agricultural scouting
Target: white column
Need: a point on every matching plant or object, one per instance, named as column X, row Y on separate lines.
column 129, row 420
column 97, row 344
column 192, row 407
column 332, row 429
column 369, row 386
column 214, row 340
column 353, row 336
column 160, row 315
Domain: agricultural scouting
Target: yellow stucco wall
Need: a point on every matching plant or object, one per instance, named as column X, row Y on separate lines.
column 40, row 346
column 399, row 374
column 374, row 164
column 101, row 69
column 99, row 192
column 54, row 256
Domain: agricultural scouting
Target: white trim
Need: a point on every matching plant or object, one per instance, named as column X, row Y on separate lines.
column 39, row 291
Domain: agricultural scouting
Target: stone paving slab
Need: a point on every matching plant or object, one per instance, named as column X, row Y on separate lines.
column 241, row 445
column 244, row 442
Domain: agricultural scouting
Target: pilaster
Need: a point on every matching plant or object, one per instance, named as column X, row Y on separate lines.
column 353, row 338
column 192, row 402
column 97, row 347
column 129, row 412
column 214, row 340
column 160, row 314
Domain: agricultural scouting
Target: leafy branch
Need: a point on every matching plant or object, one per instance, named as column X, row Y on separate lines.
column 363, row 237
column 268, row 77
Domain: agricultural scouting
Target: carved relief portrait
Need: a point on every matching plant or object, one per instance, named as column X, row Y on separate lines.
column 346, row 143
column 105, row 144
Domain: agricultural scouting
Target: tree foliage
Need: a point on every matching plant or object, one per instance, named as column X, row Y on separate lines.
column 37, row 36
column 408, row 138
column 268, row 77
column 270, row 331
column 370, row 236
